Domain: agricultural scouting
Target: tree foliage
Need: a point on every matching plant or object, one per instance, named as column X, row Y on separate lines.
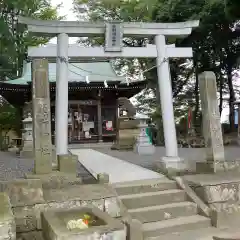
column 9, row 118
column 232, row 8
column 14, row 39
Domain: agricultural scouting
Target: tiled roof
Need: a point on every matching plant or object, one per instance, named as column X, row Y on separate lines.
column 96, row 72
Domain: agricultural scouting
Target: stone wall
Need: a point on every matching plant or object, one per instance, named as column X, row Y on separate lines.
column 221, row 193
column 28, row 199
column 7, row 223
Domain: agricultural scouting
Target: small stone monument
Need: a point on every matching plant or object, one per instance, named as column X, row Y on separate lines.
column 127, row 133
column 211, row 125
column 41, row 117
column 127, row 127
column 144, row 144
column 27, row 150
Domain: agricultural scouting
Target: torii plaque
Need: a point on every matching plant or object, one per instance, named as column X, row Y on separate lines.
column 113, row 37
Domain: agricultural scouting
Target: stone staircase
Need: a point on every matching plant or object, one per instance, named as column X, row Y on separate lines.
column 162, row 208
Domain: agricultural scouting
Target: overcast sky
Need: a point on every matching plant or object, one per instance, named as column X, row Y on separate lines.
column 65, row 10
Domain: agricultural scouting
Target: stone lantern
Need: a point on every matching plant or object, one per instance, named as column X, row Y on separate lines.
column 27, row 136
column 144, row 144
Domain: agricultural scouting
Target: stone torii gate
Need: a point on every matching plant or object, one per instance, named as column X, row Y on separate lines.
column 114, row 33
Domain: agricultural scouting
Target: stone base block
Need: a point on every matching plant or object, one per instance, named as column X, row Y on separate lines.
column 56, row 180
column 124, row 144
column 226, row 217
column 172, row 164
column 56, row 225
column 103, row 178
column 214, row 167
column 7, row 222
column 145, row 149
column 67, row 163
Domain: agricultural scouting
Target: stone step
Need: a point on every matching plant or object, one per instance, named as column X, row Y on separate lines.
column 143, row 186
column 155, row 229
column 141, row 200
column 163, row 212
column 197, row 234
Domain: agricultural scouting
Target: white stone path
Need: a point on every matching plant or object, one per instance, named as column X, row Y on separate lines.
column 118, row 170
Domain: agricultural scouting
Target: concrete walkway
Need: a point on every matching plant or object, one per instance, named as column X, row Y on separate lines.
column 118, row 170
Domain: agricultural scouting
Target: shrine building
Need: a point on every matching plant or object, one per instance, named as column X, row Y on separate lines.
column 93, row 89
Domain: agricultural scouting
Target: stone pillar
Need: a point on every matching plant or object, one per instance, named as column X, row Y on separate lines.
column 171, row 159
column 61, row 116
column 212, row 130
column 41, row 117
column 99, row 116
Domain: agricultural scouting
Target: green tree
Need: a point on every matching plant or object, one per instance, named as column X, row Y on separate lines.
column 232, row 8
column 14, row 37
column 215, row 45
column 9, row 120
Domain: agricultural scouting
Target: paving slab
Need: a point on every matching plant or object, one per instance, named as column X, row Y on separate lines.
column 118, row 170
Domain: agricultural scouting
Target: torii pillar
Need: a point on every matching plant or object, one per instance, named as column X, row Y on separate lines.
column 61, row 108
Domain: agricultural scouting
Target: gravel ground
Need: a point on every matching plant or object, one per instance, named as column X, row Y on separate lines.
column 12, row 166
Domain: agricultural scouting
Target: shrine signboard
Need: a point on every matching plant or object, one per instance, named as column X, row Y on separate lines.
column 41, row 117
column 113, row 37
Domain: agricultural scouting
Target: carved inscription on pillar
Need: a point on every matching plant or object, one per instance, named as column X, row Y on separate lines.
column 211, row 125
column 41, row 90
column 41, row 117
